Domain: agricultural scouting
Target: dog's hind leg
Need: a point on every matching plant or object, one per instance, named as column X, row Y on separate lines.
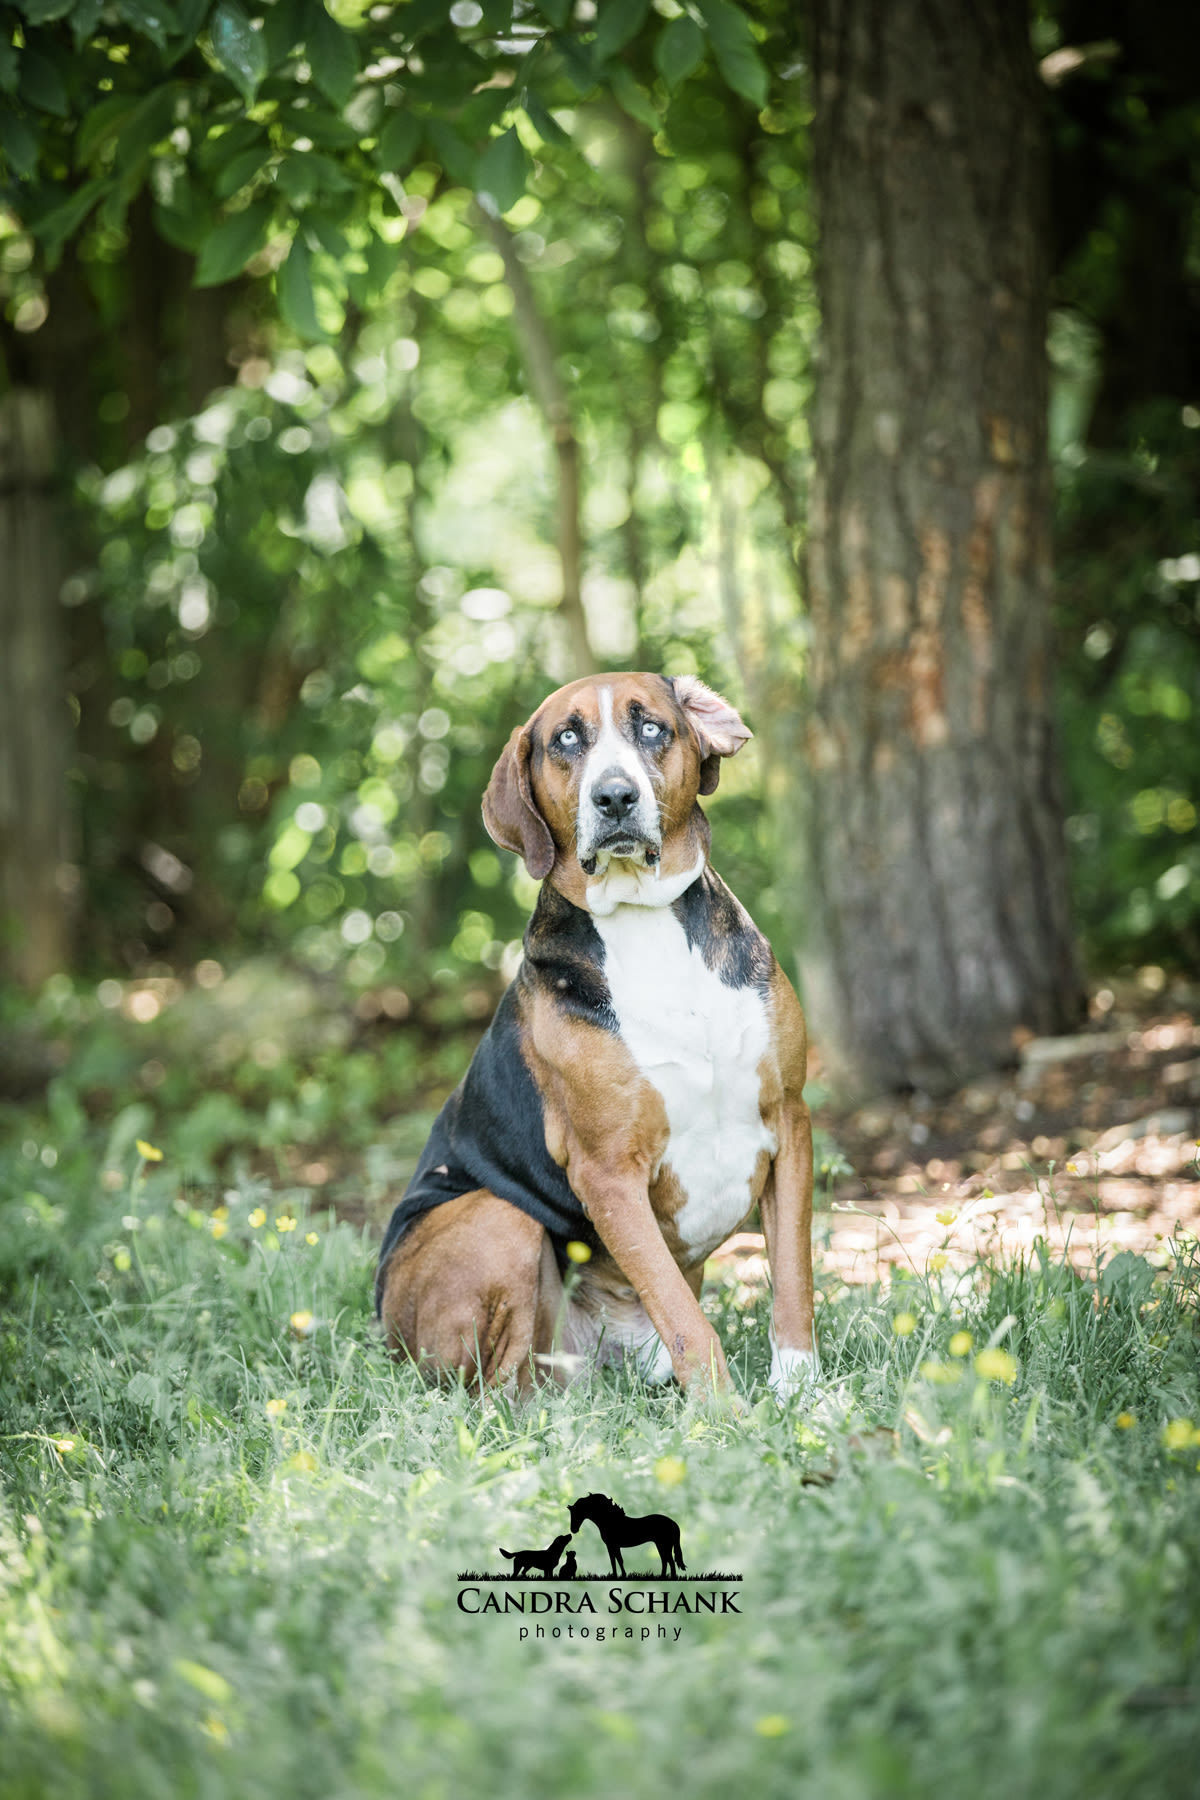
column 462, row 1294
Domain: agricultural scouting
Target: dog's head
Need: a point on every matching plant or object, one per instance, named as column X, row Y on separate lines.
column 601, row 785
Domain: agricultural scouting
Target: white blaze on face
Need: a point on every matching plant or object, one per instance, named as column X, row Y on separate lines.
column 612, row 752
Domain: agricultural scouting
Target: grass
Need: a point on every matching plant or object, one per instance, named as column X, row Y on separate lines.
column 230, row 1530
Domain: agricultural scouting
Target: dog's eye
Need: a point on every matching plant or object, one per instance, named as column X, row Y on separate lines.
column 651, row 730
column 567, row 739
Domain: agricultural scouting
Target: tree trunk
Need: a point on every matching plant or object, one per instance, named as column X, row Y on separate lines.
column 936, row 868
column 34, row 926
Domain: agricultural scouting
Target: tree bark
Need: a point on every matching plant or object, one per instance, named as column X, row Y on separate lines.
column 34, row 923
column 934, row 849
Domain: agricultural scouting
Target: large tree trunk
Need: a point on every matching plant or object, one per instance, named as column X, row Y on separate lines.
column 34, row 927
column 935, row 857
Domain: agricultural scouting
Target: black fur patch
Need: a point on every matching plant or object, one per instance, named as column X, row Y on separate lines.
column 727, row 938
column 491, row 1133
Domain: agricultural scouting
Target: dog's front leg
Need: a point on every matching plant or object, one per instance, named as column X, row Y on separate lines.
column 786, row 1209
column 619, row 1208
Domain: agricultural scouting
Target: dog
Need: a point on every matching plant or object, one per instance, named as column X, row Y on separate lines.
column 525, row 1561
column 570, row 1567
column 639, row 1090
column 618, row 1531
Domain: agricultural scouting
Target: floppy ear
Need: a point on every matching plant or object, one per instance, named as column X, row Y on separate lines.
column 717, row 726
column 512, row 819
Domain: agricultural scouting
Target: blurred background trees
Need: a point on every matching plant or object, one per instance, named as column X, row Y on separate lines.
column 384, row 365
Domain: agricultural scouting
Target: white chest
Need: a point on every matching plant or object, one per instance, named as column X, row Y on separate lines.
column 700, row 1043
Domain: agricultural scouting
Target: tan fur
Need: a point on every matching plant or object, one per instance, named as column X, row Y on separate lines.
column 473, row 1288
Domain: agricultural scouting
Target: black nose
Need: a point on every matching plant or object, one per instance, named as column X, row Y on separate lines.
column 614, row 797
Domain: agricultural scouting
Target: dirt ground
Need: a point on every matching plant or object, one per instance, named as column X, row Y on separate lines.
column 1089, row 1141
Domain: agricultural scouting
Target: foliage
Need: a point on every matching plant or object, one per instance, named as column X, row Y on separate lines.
column 231, row 1529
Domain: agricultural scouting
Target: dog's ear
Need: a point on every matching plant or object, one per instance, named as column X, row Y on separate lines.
column 718, row 728
column 510, row 812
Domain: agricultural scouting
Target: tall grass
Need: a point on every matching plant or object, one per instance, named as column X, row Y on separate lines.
column 230, row 1530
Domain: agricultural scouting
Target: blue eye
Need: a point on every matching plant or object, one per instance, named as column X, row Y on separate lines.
column 568, row 739
column 651, row 730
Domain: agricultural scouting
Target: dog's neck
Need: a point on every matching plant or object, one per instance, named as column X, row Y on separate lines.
column 627, row 883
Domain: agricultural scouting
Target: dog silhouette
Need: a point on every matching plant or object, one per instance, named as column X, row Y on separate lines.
column 523, row 1561
column 570, row 1567
column 618, row 1531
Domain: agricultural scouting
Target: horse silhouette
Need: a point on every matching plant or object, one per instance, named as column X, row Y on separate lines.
column 617, row 1531
column 524, row 1560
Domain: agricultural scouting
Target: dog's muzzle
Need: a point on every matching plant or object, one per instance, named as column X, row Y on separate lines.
column 618, row 821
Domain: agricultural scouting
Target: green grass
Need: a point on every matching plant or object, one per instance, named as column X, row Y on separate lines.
column 951, row 1583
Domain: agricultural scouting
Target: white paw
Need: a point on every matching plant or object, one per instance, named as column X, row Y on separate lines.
column 654, row 1362
column 793, row 1372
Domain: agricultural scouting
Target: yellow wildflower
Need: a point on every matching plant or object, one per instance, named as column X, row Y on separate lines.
column 147, row 1152
column 303, row 1324
column 772, row 1725
column 312, row 1238
column 960, row 1343
column 1126, row 1420
column 1179, row 1434
column 218, row 1228
column 285, row 1223
column 579, row 1253
column 996, row 1365
column 938, row 1261
column 670, row 1470
column 904, row 1324
column 257, row 1217
column 276, row 1409
column 947, row 1215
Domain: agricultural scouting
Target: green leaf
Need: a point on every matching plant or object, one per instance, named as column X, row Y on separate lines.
column 238, row 172
column 293, row 284
column 321, row 127
column 577, row 64
column 85, row 17
column 18, row 142
column 189, row 18
column 544, row 121
column 328, row 236
column 333, row 54
column 503, row 170
column 62, row 222
column 283, row 28
column 8, row 67
column 102, row 122
column 734, row 48
column 399, row 141
column 557, row 11
column 679, row 51
column 618, row 23
column 153, row 18
column 42, row 85
column 228, row 249
column 41, row 12
column 456, row 157
column 634, row 99
column 145, row 126
column 187, row 221
column 239, row 49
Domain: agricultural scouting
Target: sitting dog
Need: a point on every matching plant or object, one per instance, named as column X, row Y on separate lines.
column 570, row 1567
column 523, row 1561
column 640, row 1088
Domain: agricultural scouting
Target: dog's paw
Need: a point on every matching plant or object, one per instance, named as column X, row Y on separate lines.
column 793, row 1373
